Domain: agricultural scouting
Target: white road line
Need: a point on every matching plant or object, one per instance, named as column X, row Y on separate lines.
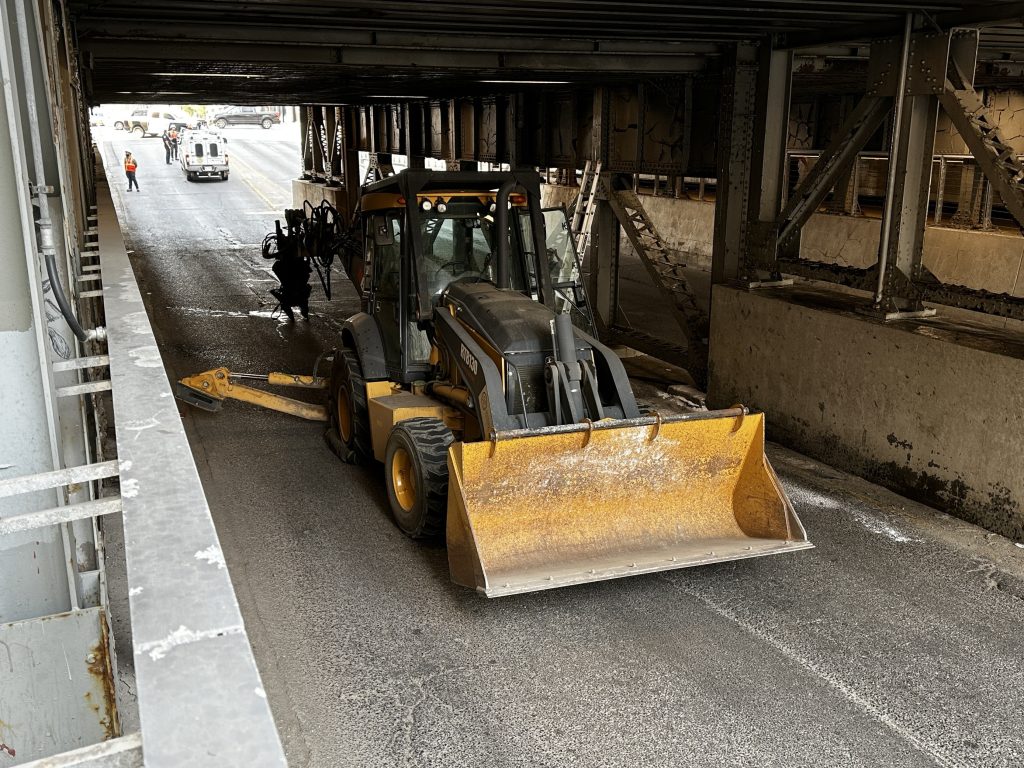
column 935, row 751
column 249, row 173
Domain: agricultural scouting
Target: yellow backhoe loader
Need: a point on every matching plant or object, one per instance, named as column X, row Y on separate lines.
column 475, row 377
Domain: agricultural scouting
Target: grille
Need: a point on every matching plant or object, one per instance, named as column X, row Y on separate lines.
column 534, row 390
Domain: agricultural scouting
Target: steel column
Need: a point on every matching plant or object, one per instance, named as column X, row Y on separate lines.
column 305, row 128
column 735, row 163
column 770, row 137
column 921, row 79
column 320, row 162
column 604, row 264
column 605, row 260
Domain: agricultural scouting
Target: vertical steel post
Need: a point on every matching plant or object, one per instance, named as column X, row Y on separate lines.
column 923, row 66
column 894, row 148
column 320, row 163
column 940, row 190
column 604, row 276
column 305, row 128
column 735, row 159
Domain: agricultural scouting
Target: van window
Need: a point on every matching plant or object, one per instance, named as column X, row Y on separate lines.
column 199, row 150
column 168, row 116
column 213, row 150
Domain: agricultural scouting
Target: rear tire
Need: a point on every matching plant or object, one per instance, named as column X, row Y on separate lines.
column 190, row 176
column 416, row 476
column 266, row 122
column 224, row 177
column 349, row 432
column 118, row 125
column 139, row 131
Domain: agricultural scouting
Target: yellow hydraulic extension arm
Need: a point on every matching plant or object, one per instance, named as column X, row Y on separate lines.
column 209, row 389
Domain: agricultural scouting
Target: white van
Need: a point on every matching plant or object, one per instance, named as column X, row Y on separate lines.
column 203, row 154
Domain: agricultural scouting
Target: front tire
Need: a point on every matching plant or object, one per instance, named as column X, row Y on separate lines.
column 222, row 123
column 266, row 122
column 349, row 431
column 416, row 476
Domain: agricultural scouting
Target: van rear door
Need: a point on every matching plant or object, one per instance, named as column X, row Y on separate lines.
column 214, row 154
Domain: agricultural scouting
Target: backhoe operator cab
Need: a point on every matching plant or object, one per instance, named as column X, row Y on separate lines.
column 474, row 376
column 426, row 231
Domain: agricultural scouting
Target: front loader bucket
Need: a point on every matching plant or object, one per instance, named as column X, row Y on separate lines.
column 568, row 505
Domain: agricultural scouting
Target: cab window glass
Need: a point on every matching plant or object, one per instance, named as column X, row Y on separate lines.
column 387, row 255
column 460, row 242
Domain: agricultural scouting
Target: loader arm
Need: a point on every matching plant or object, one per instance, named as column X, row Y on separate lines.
column 208, row 390
column 478, row 371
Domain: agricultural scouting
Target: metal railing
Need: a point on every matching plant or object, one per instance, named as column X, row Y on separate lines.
column 201, row 700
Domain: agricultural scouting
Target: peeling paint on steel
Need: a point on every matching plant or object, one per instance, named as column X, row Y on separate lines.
column 146, row 357
column 212, row 555
column 98, row 663
column 129, row 488
column 158, row 649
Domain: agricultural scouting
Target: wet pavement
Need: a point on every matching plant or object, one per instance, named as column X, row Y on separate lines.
column 896, row 642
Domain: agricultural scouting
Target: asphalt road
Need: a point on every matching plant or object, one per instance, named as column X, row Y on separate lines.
column 896, row 642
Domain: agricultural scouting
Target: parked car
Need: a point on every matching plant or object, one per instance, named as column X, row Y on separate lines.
column 119, row 117
column 203, row 154
column 96, row 117
column 246, row 116
column 153, row 122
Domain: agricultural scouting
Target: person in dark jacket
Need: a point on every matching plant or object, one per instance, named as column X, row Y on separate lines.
column 166, row 137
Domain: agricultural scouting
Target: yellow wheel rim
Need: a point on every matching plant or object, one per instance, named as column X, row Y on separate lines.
column 402, row 479
column 344, row 416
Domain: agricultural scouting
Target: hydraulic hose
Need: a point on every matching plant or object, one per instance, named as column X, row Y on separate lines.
column 97, row 334
column 45, row 235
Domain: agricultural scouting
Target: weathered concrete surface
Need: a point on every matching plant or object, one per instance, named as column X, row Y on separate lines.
column 554, row 195
column 934, row 409
column 303, row 190
column 991, row 261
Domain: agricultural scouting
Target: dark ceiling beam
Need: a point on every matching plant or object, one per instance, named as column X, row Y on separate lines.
column 317, row 36
column 752, row 13
column 132, row 54
column 979, row 15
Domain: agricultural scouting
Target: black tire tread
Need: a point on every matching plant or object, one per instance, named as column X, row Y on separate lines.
column 430, row 439
column 347, row 372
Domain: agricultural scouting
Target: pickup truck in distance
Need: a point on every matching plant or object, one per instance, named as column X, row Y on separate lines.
column 246, row 116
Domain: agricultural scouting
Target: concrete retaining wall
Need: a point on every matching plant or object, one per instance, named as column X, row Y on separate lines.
column 933, row 410
column 991, row 261
column 307, row 190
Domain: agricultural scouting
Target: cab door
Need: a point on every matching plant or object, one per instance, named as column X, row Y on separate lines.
column 383, row 238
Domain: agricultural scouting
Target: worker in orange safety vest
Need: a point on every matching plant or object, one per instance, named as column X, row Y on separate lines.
column 129, row 170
